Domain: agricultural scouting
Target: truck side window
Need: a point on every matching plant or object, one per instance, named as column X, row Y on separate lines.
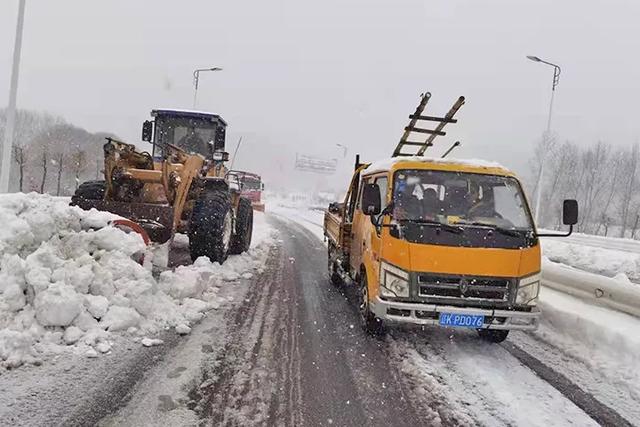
column 382, row 186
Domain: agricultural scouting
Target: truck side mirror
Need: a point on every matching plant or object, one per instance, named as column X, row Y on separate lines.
column 262, row 186
column 570, row 212
column 147, row 130
column 371, row 203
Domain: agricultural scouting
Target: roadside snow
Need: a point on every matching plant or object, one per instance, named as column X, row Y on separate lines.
column 599, row 260
column 68, row 281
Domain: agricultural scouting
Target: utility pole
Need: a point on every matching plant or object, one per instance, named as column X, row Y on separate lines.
column 11, row 109
column 547, row 135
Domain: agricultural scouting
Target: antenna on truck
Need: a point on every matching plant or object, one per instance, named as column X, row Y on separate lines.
column 455, row 144
column 432, row 133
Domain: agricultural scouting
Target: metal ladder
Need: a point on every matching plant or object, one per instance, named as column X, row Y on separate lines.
column 432, row 133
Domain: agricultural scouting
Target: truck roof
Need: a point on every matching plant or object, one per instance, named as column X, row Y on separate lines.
column 448, row 164
column 245, row 173
column 192, row 114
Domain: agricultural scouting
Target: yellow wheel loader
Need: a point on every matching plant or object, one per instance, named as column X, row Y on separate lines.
column 182, row 186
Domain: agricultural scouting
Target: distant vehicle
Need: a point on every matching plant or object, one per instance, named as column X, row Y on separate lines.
column 433, row 241
column 251, row 187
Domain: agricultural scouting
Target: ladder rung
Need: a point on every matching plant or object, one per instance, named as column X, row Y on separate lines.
column 429, row 131
column 434, row 119
column 419, row 144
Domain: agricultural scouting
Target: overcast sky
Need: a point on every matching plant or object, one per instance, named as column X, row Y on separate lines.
column 302, row 76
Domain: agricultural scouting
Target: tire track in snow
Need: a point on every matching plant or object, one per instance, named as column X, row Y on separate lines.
column 600, row 412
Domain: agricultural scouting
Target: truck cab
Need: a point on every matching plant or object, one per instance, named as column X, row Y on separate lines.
column 433, row 241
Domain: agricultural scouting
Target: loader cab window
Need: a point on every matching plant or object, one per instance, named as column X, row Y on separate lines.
column 194, row 136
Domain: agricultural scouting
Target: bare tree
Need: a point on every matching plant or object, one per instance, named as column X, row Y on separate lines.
column 59, row 162
column 628, row 182
column 44, row 161
column 78, row 164
column 20, row 156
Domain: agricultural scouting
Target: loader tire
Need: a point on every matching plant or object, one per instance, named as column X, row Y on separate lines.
column 241, row 239
column 90, row 190
column 211, row 226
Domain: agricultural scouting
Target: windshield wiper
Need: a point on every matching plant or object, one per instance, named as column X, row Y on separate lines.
column 493, row 227
column 451, row 228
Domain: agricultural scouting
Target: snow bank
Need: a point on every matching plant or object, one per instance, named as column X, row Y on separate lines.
column 600, row 260
column 604, row 339
column 68, row 281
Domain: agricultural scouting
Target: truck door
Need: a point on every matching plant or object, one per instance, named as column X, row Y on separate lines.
column 364, row 235
column 357, row 231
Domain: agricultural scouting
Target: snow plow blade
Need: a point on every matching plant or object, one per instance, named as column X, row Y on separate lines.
column 155, row 219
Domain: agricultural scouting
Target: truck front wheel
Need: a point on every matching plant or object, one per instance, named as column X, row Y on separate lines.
column 493, row 335
column 370, row 322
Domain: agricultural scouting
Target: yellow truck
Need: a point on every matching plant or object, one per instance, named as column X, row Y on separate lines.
column 437, row 241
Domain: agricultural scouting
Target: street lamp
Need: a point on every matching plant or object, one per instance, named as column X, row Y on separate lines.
column 556, row 80
column 196, row 77
column 11, row 108
column 344, row 149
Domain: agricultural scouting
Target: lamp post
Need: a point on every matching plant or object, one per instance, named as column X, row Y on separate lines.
column 196, row 77
column 344, row 149
column 11, row 108
column 556, row 80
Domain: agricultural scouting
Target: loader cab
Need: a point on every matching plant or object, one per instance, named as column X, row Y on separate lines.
column 192, row 131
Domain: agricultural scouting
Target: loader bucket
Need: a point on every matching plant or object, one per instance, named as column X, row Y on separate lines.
column 155, row 219
column 130, row 226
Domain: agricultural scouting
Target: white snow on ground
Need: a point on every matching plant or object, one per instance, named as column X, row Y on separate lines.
column 604, row 343
column 68, row 282
column 302, row 209
column 470, row 382
column 595, row 259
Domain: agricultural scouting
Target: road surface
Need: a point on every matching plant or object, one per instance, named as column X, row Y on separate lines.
column 290, row 352
column 299, row 357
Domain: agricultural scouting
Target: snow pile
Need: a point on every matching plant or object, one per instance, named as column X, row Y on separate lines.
column 607, row 262
column 68, row 279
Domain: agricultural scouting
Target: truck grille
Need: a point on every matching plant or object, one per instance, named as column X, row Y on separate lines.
column 464, row 288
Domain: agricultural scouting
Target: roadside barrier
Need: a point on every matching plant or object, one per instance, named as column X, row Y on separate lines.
column 605, row 291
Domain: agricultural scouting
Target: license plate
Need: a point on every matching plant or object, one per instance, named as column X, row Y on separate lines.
column 461, row 320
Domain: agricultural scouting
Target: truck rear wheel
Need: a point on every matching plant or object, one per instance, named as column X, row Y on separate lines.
column 89, row 190
column 211, row 226
column 493, row 335
column 333, row 266
column 241, row 239
column 371, row 324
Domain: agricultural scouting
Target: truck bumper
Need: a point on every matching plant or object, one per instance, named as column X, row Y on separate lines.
column 429, row 314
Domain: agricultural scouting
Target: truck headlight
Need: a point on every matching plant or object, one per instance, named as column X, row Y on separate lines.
column 394, row 282
column 528, row 289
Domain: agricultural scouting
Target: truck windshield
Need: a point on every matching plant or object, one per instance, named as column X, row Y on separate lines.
column 192, row 135
column 250, row 184
column 461, row 199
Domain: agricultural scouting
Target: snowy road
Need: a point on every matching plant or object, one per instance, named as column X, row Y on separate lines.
column 289, row 351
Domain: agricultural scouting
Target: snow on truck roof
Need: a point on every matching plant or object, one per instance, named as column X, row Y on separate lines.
column 475, row 165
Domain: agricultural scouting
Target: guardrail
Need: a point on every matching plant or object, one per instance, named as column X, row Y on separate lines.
column 604, row 290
